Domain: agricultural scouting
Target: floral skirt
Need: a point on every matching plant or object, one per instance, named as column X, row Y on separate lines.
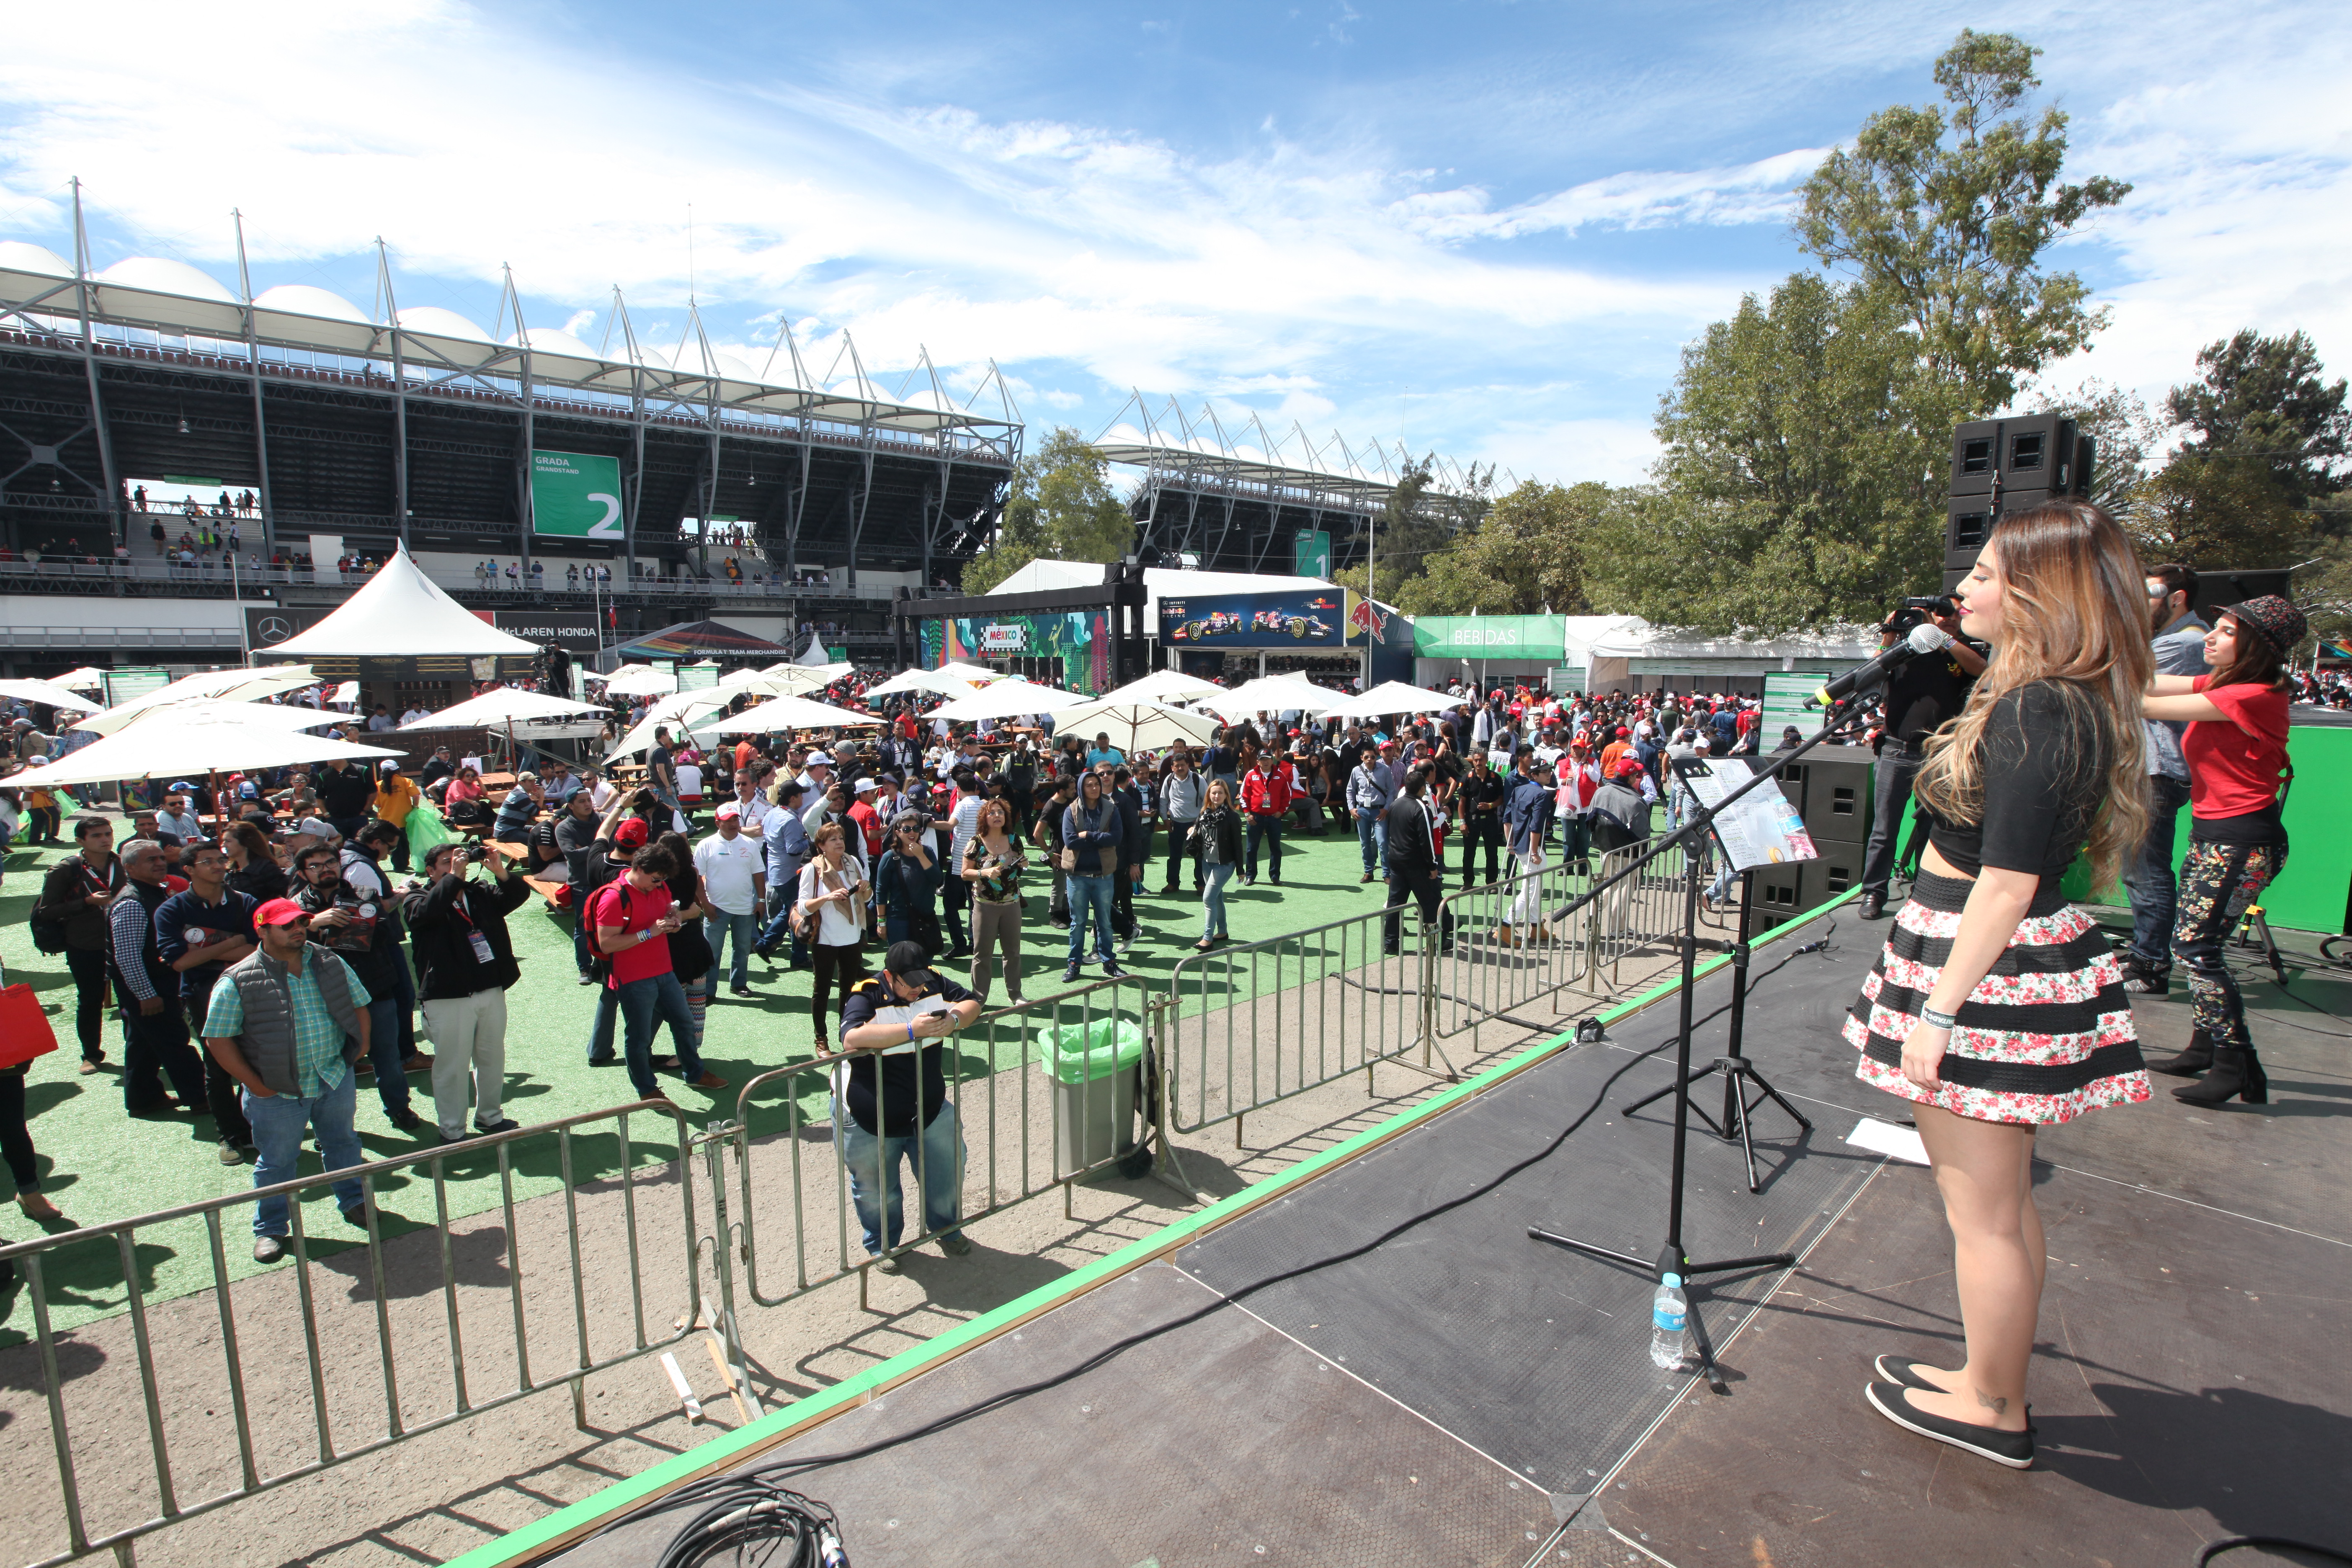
column 2045, row 1036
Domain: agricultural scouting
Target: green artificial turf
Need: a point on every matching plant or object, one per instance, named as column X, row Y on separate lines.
column 100, row 1166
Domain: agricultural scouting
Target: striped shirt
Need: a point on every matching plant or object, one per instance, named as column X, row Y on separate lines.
column 319, row 1063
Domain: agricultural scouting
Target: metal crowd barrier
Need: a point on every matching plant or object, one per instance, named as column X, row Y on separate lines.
column 302, row 1368
column 1249, row 1025
column 1022, row 1131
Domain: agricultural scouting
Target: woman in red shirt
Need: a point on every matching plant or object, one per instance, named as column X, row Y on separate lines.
column 2236, row 747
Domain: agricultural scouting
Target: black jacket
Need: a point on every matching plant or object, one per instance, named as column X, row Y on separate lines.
column 344, row 794
column 65, row 897
column 440, row 928
column 1412, row 851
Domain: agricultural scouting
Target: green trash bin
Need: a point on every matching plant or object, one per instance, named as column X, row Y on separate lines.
column 1096, row 1067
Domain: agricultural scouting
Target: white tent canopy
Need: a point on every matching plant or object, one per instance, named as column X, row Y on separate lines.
column 639, row 681
column 400, row 613
column 1006, row 699
column 177, row 743
column 1268, row 694
column 234, row 685
column 1137, row 726
column 50, row 694
column 503, row 705
column 1394, row 697
column 785, row 713
column 1164, row 686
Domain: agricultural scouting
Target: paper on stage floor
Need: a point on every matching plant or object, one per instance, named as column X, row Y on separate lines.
column 1885, row 1138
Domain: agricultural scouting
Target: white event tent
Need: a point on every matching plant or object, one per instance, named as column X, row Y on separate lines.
column 400, row 613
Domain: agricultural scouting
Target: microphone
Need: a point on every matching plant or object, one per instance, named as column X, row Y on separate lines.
column 1925, row 638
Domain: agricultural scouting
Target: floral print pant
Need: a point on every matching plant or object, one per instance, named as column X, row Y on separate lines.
column 2217, row 882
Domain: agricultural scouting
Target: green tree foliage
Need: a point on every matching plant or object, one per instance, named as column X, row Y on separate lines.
column 1061, row 507
column 1950, row 212
column 1525, row 557
column 1802, row 478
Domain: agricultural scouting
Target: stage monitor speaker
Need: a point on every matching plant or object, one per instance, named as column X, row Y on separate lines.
column 1837, row 794
column 2224, row 586
column 1775, row 899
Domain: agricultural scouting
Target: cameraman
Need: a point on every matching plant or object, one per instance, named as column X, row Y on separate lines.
column 465, row 958
column 1920, row 696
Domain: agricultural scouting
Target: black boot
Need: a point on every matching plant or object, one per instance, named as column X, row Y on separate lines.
column 2236, row 1075
column 2190, row 1062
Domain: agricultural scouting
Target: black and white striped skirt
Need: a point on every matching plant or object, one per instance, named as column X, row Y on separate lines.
column 2045, row 1036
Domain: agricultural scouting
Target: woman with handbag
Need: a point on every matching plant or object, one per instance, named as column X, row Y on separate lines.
column 1217, row 837
column 689, row 950
column 830, row 913
column 992, row 864
column 906, row 882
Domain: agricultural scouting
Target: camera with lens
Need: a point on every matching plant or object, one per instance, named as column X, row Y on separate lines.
column 1915, row 611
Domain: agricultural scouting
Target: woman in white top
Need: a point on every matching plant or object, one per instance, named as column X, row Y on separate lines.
column 829, row 912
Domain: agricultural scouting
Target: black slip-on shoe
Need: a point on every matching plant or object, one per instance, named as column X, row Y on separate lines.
column 1903, row 1369
column 2014, row 1449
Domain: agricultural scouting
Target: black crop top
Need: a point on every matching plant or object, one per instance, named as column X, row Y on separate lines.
column 2045, row 770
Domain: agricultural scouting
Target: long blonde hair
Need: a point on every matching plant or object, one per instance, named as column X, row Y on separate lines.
column 2075, row 614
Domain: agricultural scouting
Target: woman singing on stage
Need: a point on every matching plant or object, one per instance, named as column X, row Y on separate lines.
column 1996, row 1006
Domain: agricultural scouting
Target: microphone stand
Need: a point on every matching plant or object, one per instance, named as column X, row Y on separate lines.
column 1671, row 1258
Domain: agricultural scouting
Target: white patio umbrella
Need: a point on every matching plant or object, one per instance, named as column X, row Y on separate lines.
column 227, row 685
column 802, row 677
column 756, row 682
column 1164, row 686
column 50, row 693
column 263, row 715
column 1267, row 694
column 184, row 742
column 89, row 678
column 670, row 713
column 1137, row 726
column 502, row 705
column 639, row 681
column 971, row 674
column 1007, row 698
column 931, row 681
column 786, row 713
column 1393, row 696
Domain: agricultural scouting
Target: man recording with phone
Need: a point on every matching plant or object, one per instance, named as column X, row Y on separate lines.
column 1920, row 695
column 465, row 962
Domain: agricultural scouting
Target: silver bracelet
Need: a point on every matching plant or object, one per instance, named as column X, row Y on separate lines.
column 1936, row 1020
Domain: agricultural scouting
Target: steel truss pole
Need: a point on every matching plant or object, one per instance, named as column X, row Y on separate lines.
column 399, row 393
column 121, row 521
column 253, row 368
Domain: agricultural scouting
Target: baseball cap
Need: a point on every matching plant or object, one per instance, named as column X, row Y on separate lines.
column 729, row 809
column 181, row 786
column 524, row 778
column 820, row 759
column 863, row 786
column 1624, row 733
column 278, row 912
column 909, row 962
column 632, row 833
column 1628, row 769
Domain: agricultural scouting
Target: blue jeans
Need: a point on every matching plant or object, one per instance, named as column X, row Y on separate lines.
column 715, row 931
column 937, row 1156
column 1268, row 826
column 780, row 927
column 1094, row 894
column 383, row 1054
column 279, row 1122
column 644, row 1004
column 580, row 959
column 1373, row 838
column 2147, row 877
column 1212, row 900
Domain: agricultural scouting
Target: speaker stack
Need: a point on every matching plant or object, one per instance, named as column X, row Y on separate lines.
column 2003, row 465
column 1832, row 788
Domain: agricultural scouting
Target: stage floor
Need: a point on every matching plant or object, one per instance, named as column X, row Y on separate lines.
column 1457, row 1395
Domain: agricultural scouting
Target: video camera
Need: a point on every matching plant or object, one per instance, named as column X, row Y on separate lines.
column 1915, row 611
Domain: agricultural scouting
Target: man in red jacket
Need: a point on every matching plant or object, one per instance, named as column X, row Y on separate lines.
column 1266, row 793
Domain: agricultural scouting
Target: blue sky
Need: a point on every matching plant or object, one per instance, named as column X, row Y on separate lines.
column 1480, row 228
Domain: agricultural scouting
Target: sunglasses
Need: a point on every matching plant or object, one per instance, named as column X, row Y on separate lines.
column 301, row 924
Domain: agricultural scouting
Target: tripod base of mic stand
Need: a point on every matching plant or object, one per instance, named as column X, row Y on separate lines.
column 1671, row 1262
column 1737, row 1107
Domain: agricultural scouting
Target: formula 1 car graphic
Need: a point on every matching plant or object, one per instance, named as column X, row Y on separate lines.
column 1217, row 623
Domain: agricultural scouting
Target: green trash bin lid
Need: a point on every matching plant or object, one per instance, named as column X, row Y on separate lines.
column 1078, row 1053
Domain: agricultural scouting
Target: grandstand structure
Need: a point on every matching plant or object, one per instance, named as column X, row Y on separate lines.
column 1236, row 501
column 414, row 424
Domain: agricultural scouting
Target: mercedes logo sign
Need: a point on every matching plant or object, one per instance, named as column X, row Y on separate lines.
column 273, row 629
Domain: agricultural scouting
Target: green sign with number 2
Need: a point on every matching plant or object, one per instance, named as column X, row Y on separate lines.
column 576, row 495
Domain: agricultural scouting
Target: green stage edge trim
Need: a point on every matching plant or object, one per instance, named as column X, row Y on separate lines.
column 612, row 1502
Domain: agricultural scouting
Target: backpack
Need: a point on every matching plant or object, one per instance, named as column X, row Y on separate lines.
column 48, row 931
column 600, row 962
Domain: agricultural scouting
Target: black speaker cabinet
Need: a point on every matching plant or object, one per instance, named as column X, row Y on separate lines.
column 2224, row 585
column 2003, row 465
column 1837, row 794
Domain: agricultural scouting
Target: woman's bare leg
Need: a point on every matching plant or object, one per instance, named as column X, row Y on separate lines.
column 1985, row 1172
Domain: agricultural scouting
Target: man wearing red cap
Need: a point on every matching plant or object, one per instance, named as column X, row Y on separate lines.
column 287, row 1022
column 1620, row 745
column 1621, row 815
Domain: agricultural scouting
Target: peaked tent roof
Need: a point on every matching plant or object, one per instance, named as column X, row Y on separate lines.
column 400, row 613
column 701, row 637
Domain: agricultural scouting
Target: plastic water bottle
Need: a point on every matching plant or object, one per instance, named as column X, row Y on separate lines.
column 1670, row 1325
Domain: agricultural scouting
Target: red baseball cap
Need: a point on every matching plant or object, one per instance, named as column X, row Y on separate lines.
column 632, row 833
column 278, row 912
column 1628, row 768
